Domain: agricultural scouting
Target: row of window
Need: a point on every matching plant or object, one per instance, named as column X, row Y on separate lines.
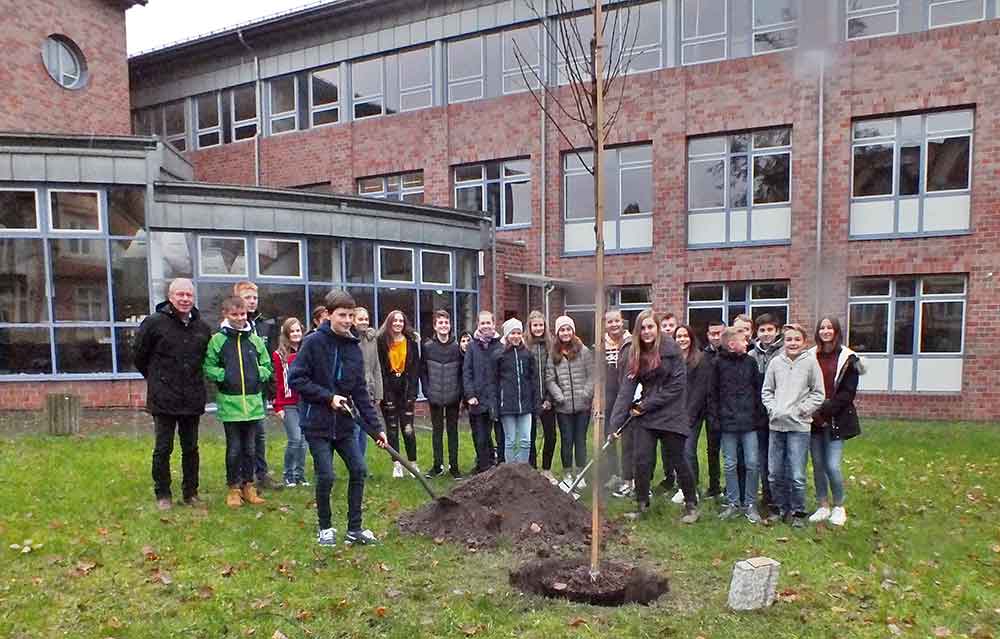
column 501, row 63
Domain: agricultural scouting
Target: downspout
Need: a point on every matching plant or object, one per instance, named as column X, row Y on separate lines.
column 543, row 183
column 493, row 266
column 819, row 191
column 260, row 113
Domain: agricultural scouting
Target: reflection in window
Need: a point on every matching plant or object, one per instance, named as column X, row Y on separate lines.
column 703, row 31
column 395, row 264
column 723, row 302
column 870, row 18
column 502, row 189
column 22, row 281
column 208, row 119
column 79, row 279
column 25, row 351
column 415, row 79
column 324, row 96
column 128, row 280
column 279, row 258
column 222, row 256
column 83, row 350
column 405, row 187
column 368, row 86
column 244, row 112
column 775, row 25
column 943, row 13
column 283, row 104
column 75, row 210
column 465, row 69
column 324, row 259
column 18, row 210
column 435, row 268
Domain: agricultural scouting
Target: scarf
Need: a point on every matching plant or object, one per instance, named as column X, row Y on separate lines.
column 484, row 337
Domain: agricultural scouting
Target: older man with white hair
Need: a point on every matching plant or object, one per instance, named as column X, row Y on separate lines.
column 169, row 348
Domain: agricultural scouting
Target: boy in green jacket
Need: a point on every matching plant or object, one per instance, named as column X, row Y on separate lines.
column 238, row 362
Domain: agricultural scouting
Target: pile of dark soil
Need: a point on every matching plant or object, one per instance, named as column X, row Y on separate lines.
column 616, row 585
column 512, row 502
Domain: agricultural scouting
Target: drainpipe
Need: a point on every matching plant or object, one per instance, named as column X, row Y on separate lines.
column 260, row 112
column 819, row 191
column 493, row 266
column 543, row 182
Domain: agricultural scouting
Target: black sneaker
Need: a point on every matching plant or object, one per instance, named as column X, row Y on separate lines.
column 435, row 471
column 266, row 482
column 456, row 473
column 361, row 538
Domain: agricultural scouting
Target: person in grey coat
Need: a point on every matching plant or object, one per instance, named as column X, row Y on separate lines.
column 373, row 370
column 569, row 378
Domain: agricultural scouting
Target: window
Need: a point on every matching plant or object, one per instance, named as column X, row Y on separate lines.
column 435, row 268
column 395, row 264
column 912, row 174
column 739, row 188
column 502, row 189
column 724, row 301
column 636, row 34
column 523, row 42
column 75, row 211
column 244, row 112
column 368, row 87
column 279, row 258
column 704, row 31
column 465, row 69
column 910, row 330
column 415, row 79
column 405, row 187
column 324, row 96
column 775, row 25
column 175, row 125
column 18, row 210
column 283, row 104
column 943, row 13
column 628, row 204
column 222, row 256
column 65, row 62
column 870, row 18
column 630, row 300
column 208, row 108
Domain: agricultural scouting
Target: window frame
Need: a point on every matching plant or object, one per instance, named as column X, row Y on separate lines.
column 420, row 88
column 217, row 129
column 515, row 71
column 378, row 264
column 240, row 124
column 101, row 212
column 176, row 137
column 891, row 6
column 224, row 276
column 330, row 106
column 726, row 302
column 483, row 183
column 479, row 78
column 265, row 238
column 708, row 38
column 451, row 270
column 390, row 195
column 775, row 27
column 940, row 3
column 56, row 44
column 273, row 117
column 38, row 210
column 378, row 61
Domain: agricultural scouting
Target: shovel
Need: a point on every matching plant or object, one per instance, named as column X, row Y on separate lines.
column 571, row 488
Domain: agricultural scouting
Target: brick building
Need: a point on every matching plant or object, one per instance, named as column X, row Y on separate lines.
column 789, row 156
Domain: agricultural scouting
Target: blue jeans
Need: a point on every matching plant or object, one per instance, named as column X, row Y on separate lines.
column 240, row 451
column 573, row 438
column 295, row 449
column 362, row 437
column 322, row 453
column 730, row 452
column 517, row 437
column 260, row 449
column 787, row 456
column 826, row 455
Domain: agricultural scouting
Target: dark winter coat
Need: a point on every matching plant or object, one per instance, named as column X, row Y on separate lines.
column 540, row 351
column 664, row 393
column 479, row 375
column 406, row 383
column 441, row 371
column 266, row 328
column 613, row 364
column 515, row 375
column 697, row 390
column 734, row 394
column 330, row 364
column 837, row 411
column 169, row 354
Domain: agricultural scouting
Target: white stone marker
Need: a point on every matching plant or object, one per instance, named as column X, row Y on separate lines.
column 755, row 582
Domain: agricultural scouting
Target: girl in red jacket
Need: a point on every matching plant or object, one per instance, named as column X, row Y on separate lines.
column 286, row 402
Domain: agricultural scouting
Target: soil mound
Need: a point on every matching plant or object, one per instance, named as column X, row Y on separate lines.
column 510, row 501
column 616, row 585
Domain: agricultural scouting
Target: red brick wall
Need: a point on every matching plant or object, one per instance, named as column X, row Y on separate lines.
column 104, row 394
column 30, row 100
column 942, row 68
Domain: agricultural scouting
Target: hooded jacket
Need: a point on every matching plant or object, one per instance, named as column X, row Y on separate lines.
column 284, row 395
column 330, row 364
column 373, row 370
column 540, row 351
column 793, row 391
column 479, row 374
column 515, row 375
column 408, row 382
column 734, row 385
column 764, row 354
column 441, row 371
column 169, row 353
column 837, row 411
column 664, row 394
column 571, row 382
column 238, row 362
column 612, row 367
column 697, row 390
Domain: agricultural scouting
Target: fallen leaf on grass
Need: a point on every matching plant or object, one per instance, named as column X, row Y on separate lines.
column 383, row 567
column 393, row 594
column 82, row 568
column 471, row 630
column 381, row 612
column 304, row 615
column 560, row 586
column 103, row 532
column 788, row 595
column 114, row 623
column 995, row 547
column 227, row 571
column 159, row 576
column 279, row 635
column 206, row 592
column 439, row 540
column 894, row 629
column 782, row 539
column 260, row 604
column 576, row 622
column 940, row 632
column 149, row 554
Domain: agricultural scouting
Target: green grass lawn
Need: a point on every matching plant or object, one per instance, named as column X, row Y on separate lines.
column 920, row 555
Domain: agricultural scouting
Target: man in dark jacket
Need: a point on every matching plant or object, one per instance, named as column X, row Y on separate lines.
column 169, row 348
column 328, row 373
column 768, row 344
column 441, row 379
column 479, row 387
column 711, row 350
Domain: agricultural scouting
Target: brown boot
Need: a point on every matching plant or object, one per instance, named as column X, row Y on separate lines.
column 250, row 495
column 233, row 498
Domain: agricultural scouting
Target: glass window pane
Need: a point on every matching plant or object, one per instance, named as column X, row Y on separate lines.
column 493, row 200
column 367, row 108
column 737, row 291
column 469, row 198
column 517, row 168
column 948, row 164
column 704, row 17
column 949, row 121
column 706, row 146
column 245, row 132
column 637, row 190
column 778, row 311
column 862, row 5
column 704, row 51
column 279, row 258
column 902, row 337
column 18, row 210
column 739, row 176
column 492, row 170
column 906, row 288
column 465, row 58
column 245, row 102
column 435, row 268
column 634, row 154
column 223, row 256
column 75, row 211
column 769, row 291
column 25, row 351
column 517, row 203
column 325, row 86
column 869, row 286
column 208, row 110
column 873, row 170
column 126, row 210
column 415, row 100
column 397, row 299
column 324, row 259
column 706, row 184
column 129, row 286
column 767, row 12
column 359, row 260
column 635, row 295
column 909, row 170
column 944, row 285
column 83, row 350
column 468, row 173
column 80, row 280
column 772, row 138
column 173, row 115
column 367, row 77
column 467, row 313
column 22, row 281
column 170, row 257
column 282, row 95
column 698, row 319
column 124, row 356
column 640, row 24
column 874, row 129
column 208, row 139
column 413, row 180
column 868, row 328
column 364, row 297
column 395, row 264
column 945, row 13
column 210, row 296
column 872, row 25
column 328, row 116
column 739, row 143
column 465, row 91
column 467, row 271
column 525, row 42
column 372, row 185
column 579, row 196
column 431, row 301
column 775, row 40
column 705, row 292
column 584, row 321
column 772, row 176
column 282, row 301
column 414, row 68
column 941, row 327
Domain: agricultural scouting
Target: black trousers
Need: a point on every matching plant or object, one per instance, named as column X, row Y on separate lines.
column 240, row 452
column 645, row 458
column 260, row 449
column 482, row 427
column 322, row 449
column 398, row 415
column 548, row 421
column 445, row 417
column 187, row 430
column 573, row 439
column 763, row 443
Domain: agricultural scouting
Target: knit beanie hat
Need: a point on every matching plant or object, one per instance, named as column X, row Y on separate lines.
column 565, row 320
column 511, row 325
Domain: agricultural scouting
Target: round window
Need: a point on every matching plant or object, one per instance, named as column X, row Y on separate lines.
column 64, row 61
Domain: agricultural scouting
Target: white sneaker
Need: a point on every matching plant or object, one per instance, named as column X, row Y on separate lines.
column 327, row 537
column 838, row 517
column 613, row 483
column 625, row 490
column 397, row 470
column 822, row 514
column 417, row 468
column 678, row 497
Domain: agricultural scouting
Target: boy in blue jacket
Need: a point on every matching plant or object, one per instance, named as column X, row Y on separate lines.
column 328, row 373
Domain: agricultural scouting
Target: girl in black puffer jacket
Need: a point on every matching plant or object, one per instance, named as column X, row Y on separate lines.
column 537, row 340
column 517, row 396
